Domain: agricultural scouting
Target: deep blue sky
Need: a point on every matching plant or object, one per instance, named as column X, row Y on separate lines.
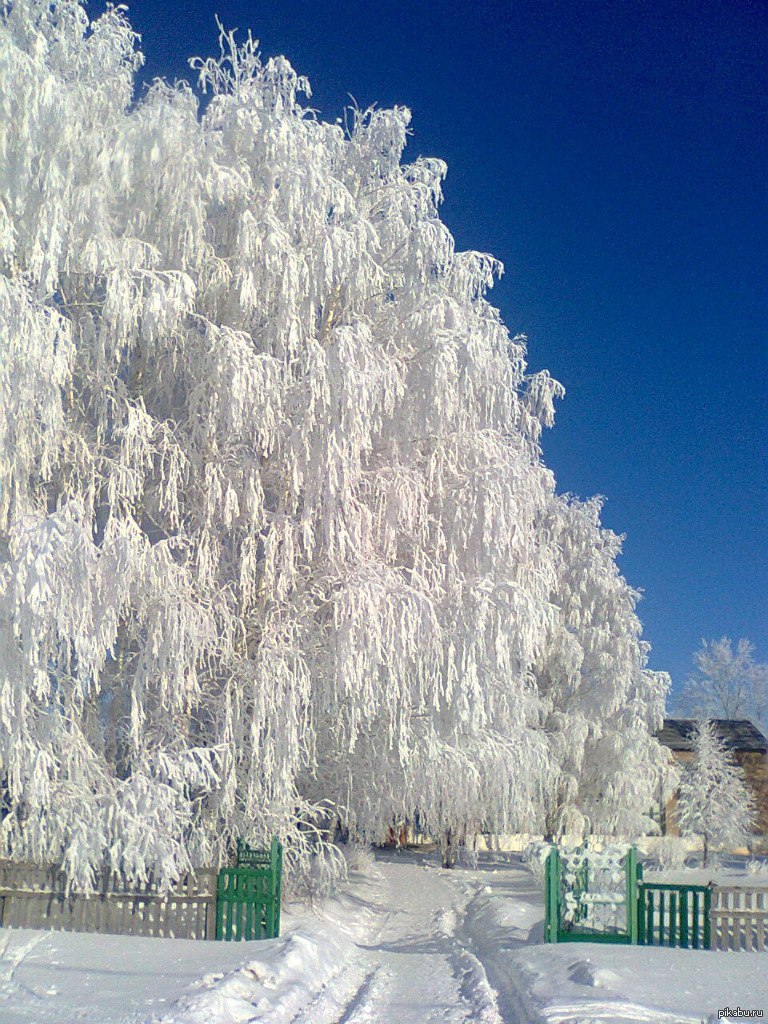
column 613, row 155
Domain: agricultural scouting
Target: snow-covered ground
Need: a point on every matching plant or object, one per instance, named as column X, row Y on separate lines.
column 408, row 942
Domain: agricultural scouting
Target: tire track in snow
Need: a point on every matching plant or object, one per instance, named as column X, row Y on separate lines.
column 359, row 1008
column 413, row 968
column 340, row 997
column 431, row 974
column 475, row 988
column 343, row 991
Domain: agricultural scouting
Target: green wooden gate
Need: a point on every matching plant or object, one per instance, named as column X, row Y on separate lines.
column 674, row 915
column 586, row 902
column 578, row 908
column 248, row 896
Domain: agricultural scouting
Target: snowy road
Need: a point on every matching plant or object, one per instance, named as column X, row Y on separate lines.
column 415, row 968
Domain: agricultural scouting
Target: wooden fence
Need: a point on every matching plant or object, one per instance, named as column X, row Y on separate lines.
column 35, row 897
column 739, row 918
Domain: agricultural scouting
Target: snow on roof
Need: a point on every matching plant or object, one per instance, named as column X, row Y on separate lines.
column 736, row 733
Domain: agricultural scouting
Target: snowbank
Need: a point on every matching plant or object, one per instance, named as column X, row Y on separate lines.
column 291, row 976
column 574, row 983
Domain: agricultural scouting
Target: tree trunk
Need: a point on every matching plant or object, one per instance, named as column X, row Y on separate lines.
column 448, row 849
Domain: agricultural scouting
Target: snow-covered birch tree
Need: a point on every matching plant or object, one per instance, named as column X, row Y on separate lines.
column 275, row 531
column 714, row 801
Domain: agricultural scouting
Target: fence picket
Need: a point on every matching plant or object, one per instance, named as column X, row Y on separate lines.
column 762, row 919
column 739, row 916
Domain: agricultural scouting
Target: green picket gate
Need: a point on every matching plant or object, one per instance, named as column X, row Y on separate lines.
column 651, row 913
column 674, row 915
column 248, row 895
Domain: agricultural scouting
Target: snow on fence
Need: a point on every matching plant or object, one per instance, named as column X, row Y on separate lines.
column 728, row 917
column 739, row 917
column 32, row 896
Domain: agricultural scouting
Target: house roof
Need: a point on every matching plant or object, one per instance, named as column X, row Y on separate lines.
column 736, row 733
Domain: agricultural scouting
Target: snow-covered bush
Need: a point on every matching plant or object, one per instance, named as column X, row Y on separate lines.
column 671, row 852
column 468, row 853
column 534, row 856
column 275, row 531
column 359, row 856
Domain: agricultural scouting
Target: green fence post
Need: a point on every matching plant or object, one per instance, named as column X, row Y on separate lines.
column 631, row 868
column 707, row 921
column 640, row 904
column 251, row 911
column 684, row 918
column 220, row 883
column 552, row 894
column 268, row 898
column 673, row 912
column 278, row 882
column 239, row 906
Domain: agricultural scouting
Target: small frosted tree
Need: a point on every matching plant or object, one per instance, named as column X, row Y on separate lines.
column 714, row 801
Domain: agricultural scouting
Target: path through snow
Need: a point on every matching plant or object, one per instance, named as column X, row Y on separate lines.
column 415, row 967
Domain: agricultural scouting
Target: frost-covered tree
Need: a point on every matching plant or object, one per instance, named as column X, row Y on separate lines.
column 727, row 683
column 714, row 801
column 275, row 532
column 603, row 703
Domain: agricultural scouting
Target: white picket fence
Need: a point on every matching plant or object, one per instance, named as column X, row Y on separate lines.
column 739, row 918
